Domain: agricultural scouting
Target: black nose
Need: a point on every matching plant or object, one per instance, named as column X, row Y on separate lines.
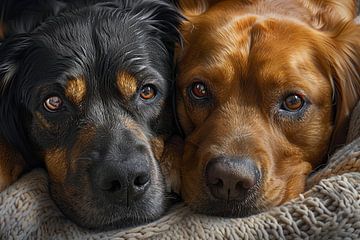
column 231, row 178
column 127, row 180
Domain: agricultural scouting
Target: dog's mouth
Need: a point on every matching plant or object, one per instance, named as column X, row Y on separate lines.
column 94, row 211
column 108, row 194
column 239, row 206
column 231, row 187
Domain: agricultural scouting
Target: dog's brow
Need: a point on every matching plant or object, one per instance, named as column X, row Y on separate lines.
column 76, row 89
column 126, row 84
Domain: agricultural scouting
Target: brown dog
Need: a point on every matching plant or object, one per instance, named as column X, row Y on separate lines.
column 264, row 93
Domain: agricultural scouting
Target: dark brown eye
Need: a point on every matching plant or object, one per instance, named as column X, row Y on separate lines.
column 148, row 92
column 293, row 102
column 53, row 104
column 199, row 90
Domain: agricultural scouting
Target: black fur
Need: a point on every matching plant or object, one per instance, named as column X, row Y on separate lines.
column 48, row 43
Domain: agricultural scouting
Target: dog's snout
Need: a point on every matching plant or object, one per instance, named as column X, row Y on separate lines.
column 124, row 180
column 231, row 178
column 128, row 179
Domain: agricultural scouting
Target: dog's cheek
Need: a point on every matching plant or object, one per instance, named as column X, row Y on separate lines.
column 285, row 180
column 191, row 175
column 157, row 147
column 185, row 121
column 170, row 163
column 11, row 165
column 56, row 164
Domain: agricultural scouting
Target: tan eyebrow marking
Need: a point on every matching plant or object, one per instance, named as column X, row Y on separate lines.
column 126, row 84
column 76, row 89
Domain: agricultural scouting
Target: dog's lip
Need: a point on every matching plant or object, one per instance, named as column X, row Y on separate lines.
column 231, row 209
column 112, row 216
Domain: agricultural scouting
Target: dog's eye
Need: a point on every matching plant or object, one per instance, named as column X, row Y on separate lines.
column 293, row 103
column 53, row 104
column 198, row 90
column 147, row 92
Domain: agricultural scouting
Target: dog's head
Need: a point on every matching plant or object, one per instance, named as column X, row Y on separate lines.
column 264, row 88
column 87, row 92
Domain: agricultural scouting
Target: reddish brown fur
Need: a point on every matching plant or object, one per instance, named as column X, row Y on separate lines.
column 249, row 53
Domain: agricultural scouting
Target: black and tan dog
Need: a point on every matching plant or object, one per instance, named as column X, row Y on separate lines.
column 84, row 91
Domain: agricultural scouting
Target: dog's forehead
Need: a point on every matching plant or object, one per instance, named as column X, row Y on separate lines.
column 255, row 51
column 93, row 51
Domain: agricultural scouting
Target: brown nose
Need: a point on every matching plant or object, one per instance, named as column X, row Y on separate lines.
column 231, row 178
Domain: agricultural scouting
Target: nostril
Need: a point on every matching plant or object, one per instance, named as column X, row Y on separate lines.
column 217, row 182
column 141, row 180
column 111, row 186
column 245, row 183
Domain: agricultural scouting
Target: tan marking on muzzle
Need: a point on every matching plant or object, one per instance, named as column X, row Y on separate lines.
column 56, row 164
column 76, row 89
column 11, row 165
column 134, row 128
column 43, row 122
column 126, row 84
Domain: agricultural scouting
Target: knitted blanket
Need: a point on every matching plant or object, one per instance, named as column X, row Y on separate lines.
column 329, row 209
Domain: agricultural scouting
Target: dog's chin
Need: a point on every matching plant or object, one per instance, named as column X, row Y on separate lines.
column 229, row 208
column 91, row 212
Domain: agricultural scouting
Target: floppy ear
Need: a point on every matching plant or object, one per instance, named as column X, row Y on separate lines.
column 328, row 13
column 195, row 7
column 12, row 137
column 25, row 15
column 163, row 19
column 341, row 51
column 11, row 127
column 343, row 54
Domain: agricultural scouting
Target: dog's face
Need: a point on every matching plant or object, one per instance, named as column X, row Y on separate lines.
column 88, row 93
column 256, row 102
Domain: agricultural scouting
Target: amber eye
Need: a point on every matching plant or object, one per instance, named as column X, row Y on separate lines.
column 53, row 104
column 293, row 102
column 198, row 90
column 147, row 92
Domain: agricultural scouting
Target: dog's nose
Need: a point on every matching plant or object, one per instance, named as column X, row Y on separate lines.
column 117, row 180
column 231, row 178
column 127, row 180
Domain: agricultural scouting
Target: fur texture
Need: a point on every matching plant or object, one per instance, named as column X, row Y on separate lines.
column 272, row 82
column 85, row 91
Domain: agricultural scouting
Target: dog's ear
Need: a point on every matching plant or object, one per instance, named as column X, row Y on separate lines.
column 13, row 149
column 195, row 7
column 10, row 52
column 163, row 20
column 11, row 127
column 328, row 13
column 23, row 16
column 342, row 51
